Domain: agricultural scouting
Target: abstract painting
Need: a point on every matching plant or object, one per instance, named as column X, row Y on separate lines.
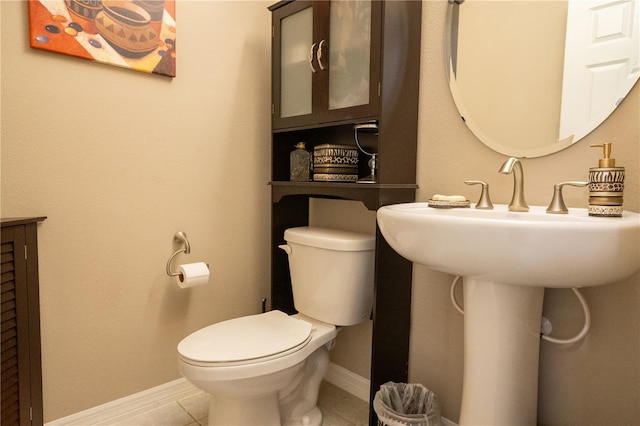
column 135, row 34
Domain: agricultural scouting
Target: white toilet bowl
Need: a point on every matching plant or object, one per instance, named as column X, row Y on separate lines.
column 260, row 370
column 266, row 369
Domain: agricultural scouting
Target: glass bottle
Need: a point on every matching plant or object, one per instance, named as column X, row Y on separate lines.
column 300, row 163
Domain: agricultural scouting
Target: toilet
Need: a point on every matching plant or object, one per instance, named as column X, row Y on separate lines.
column 266, row 369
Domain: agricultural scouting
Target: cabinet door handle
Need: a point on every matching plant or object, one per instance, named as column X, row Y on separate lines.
column 319, row 54
column 313, row 70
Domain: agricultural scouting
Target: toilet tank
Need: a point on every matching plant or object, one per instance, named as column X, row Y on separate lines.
column 332, row 273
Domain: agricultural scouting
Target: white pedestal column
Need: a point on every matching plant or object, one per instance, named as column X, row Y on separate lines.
column 501, row 352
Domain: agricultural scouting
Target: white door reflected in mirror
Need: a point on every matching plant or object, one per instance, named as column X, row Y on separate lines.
column 601, row 62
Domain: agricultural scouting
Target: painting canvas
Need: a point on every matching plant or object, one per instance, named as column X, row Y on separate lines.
column 135, row 34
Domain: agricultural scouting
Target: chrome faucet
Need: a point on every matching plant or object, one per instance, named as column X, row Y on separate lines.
column 513, row 166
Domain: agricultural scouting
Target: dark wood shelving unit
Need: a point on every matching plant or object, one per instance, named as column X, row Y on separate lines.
column 393, row 104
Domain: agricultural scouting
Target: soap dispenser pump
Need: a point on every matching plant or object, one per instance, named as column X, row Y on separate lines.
column 606, row 185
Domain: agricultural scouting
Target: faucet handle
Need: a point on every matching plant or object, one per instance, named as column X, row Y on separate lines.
column 557, row 205
column 485, row 201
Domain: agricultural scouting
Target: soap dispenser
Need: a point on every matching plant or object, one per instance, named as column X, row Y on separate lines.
column 606, row 185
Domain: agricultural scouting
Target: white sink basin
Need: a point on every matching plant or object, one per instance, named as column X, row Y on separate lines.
column 525, row 249
column 506, row 260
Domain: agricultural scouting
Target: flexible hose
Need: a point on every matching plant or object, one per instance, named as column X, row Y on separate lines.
column 580, row 335
column 453, row 295
column 585, row 327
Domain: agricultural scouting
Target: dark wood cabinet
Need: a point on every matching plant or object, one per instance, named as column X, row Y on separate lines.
column 21, row 362
column 326, row 58
column 393, row 43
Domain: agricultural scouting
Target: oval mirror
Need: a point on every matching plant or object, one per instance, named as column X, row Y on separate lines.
column 531, row 77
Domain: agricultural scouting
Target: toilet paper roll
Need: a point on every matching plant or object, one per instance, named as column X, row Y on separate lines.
column 192, row 274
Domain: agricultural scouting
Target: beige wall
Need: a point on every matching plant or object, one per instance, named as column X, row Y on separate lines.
column 108, row 170
column 119, row 161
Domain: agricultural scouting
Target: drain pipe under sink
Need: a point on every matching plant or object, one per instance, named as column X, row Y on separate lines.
column 585, row 309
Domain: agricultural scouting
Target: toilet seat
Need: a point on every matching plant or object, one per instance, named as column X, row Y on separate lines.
column 245, row 340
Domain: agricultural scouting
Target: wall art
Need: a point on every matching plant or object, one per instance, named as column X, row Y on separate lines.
column 135, row 34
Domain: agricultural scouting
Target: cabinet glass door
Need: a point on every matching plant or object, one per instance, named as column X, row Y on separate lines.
column 295, row 70
column 350, row 53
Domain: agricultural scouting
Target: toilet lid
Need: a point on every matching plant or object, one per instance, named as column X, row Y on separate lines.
column 246, row 338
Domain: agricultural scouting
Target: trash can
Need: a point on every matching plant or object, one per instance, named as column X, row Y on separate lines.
column 406, row 404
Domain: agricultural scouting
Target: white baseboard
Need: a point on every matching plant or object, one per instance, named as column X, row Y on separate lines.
column 344, row 379
column 130, row 406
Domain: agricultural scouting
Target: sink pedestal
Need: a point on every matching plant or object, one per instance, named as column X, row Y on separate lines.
column 501, row 352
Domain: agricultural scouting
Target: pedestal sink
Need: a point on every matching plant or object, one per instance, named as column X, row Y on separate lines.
column 507, row 259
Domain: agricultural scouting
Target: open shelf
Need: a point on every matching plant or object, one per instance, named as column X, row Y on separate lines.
column 373, row 195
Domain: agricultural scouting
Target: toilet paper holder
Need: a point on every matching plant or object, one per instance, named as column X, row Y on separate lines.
column 180, row 237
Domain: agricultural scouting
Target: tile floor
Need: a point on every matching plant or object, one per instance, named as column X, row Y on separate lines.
column 339, row 408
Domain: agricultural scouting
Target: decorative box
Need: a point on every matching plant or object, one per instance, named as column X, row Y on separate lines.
column 335, row 163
